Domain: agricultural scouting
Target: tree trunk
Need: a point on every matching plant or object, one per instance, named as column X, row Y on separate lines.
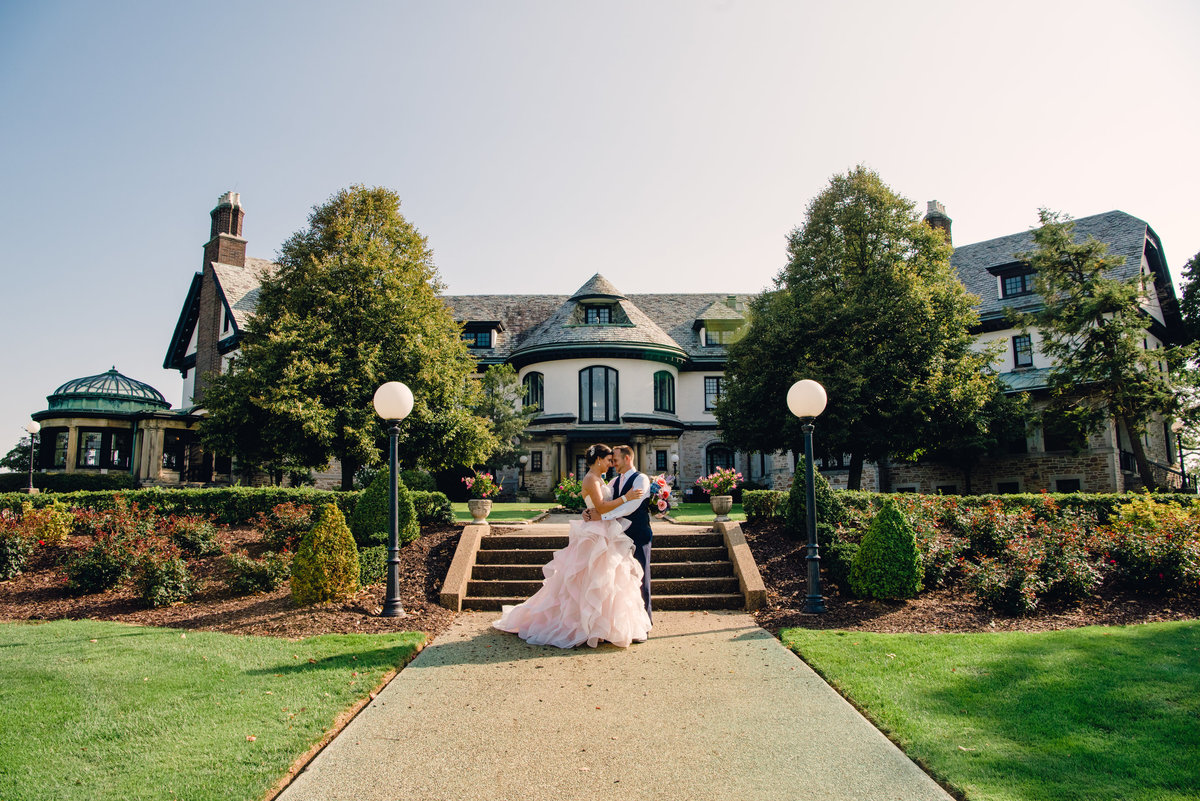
column 854, row 479
column 349, row 468
column 1139, row 457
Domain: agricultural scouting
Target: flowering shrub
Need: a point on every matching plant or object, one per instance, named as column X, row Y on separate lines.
column 194, row 535
column 50, row 524
column 15, row 546
column 100, row 566
column 162, row 577
column 1153, row 546
column 721, row 482
column 247, row 575
column 285, row 525
column 569, row 493
column 482, row 485
column 1008, row 585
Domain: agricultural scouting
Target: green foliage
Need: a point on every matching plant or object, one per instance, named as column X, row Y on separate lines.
column 66, row 482
column 51, row 523
column 283, row 528
column 569, row 493
column 829, row 505
column 246, row 575
column 371, row 520
column 863, row 262
column 1189, row 301
column 372, row 565
column 15, row 545
column 417, row 480
column 433, row 508
column 17, row 460
column 354, row 303
column 837, row 559
column 764, row 504
column 326, row 565
column 192, row 534
column 1154, row 546
column 1092, row 327
column 100, row 566
column 163, row 579
column 500, row 402
column 887, row 565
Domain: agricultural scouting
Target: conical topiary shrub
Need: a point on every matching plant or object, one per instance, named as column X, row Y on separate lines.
column 370, row 519
column 887, row 565
column 830, row 508
column 326, row 564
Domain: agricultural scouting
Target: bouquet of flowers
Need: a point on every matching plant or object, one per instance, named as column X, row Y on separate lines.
column 659, row 500
column 482, row 485
column 722, row 482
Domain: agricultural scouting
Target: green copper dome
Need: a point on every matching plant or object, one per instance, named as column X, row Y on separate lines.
column 107, row 392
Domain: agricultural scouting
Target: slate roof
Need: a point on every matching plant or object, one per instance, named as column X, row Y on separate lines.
column 241, row 286
column 535, row 321
column 1124, row 233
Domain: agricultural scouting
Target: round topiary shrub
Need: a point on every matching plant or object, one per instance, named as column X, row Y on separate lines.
column 371, row 517
column 830, row 508
column 887, row 564
column 326, row 564
column 373, row 563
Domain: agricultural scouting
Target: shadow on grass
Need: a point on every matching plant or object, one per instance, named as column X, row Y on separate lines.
column 374, row 659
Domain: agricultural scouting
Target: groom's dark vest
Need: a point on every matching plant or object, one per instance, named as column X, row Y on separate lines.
column 639, row 520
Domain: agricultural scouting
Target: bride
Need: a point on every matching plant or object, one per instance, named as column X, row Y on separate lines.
column 593, row 587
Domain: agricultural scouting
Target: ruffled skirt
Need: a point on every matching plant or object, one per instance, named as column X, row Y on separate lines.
column 592, row 592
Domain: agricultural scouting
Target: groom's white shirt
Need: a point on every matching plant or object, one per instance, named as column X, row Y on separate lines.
column 642, row 482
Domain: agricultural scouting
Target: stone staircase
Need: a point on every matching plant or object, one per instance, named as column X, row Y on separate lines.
column 689, row 569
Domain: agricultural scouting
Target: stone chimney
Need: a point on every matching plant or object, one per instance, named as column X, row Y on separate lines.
column 935, row 215
column 225, row 246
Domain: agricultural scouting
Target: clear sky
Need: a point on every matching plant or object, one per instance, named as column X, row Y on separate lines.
column 670, row 146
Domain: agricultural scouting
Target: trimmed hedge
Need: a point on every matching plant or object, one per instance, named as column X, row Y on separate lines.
column 226, row 505
column 66, row 482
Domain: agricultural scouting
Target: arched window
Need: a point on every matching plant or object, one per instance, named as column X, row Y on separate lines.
column 717, row 455
column 598, row 395
column 664, row 392
column 535, row 390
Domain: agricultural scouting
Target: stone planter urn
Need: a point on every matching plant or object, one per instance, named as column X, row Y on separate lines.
column 721, row 504
column 480, row 508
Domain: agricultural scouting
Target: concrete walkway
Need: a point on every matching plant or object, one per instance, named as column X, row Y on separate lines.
column 711, row 707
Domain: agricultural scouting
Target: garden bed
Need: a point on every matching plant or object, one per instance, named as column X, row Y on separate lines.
column 39, row 593
column 781, row 560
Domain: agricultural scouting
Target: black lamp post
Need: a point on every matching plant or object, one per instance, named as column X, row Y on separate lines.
column 393, row 402
column 806, row 399
column 1178, row 427
column 524, row 461
column 675, row 467
column 33, row 427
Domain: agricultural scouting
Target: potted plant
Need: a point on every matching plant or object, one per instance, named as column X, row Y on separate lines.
column 481, row 486
column 719, row 486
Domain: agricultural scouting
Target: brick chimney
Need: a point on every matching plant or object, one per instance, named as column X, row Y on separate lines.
column 935, row 215
column 225, row 246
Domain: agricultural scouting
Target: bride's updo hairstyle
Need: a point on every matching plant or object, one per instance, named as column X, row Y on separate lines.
column 597, row 451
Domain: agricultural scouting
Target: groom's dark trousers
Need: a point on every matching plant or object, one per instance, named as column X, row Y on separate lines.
column 639, row 531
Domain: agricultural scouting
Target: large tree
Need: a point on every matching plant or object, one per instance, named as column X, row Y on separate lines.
column 869, row 306
column 354, row 303
column 17, row 459
column 501, row 402
column 1093, row 325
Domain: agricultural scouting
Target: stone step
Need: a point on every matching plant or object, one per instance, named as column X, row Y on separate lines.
column 533, row 572
column 541, row 556
column 686, row 539
column 665, row 602
column 658, row 587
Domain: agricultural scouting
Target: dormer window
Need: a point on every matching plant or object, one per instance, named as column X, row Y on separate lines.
column 477, row 339
column 1015, row 285
column 598, row 315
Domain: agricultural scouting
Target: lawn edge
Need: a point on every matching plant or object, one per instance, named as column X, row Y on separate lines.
column 945, row 784
column 339, row 723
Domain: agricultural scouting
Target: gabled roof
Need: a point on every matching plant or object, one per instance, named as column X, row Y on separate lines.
column 1124, row 234
column 238, row 288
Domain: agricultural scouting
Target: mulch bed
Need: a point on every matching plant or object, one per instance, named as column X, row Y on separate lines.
column 781, row 560
column 40, row 594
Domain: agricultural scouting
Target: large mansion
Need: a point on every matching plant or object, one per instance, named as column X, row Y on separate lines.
column 639, row 369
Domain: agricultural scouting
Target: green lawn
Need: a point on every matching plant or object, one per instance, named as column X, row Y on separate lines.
column 1098, row 712
column 98, row 710
column 503, row 511
column 703, row 513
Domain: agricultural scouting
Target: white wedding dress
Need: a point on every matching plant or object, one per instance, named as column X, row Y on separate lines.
column 592, row 592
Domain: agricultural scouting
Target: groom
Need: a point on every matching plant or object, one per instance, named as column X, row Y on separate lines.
column 636, row 511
